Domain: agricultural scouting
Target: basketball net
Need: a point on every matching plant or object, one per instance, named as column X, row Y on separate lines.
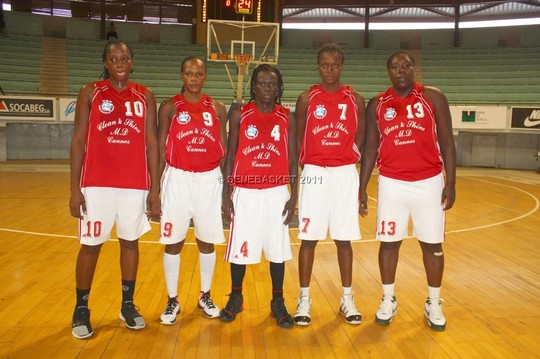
column 242, row 61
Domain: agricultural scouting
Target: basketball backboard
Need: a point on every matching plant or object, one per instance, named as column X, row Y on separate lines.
column 227, row 39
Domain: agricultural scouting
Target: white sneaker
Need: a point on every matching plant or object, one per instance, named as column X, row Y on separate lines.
column 434, row 314
column 207, row 305
column 303, row 310
column 387, row 310
column 168, row 317
column 348, row 309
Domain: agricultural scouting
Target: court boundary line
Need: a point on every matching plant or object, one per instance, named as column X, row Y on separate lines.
column 537, row 205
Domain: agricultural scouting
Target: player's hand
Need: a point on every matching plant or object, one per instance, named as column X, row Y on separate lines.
column 363, row 208
column 77, row 204
column 227, row 206
column 153, row 206
column 288, row 211
column 448, row 197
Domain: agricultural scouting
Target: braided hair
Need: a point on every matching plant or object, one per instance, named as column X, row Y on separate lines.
column 105, row 74
column 253, row 81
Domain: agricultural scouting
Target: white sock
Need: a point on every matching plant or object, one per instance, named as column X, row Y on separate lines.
column 304, row 291
column 207, row 262
column 388, row 289
column 434, row 293
column 171, row 268
column 347, row 290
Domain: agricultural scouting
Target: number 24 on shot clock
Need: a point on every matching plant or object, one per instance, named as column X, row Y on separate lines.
column 244, row 7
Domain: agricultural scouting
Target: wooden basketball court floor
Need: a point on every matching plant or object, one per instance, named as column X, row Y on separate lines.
column 491, row 284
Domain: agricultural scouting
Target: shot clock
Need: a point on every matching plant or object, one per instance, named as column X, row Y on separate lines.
column 244, row 7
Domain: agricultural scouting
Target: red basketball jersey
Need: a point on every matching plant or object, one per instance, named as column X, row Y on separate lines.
column 331, row 123
column 115, row 153
column 408, row 147
column 194, row 142
column 262, row 158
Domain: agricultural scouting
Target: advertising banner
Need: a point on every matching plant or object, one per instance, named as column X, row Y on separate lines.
column 526, row 118
column 67, row 109
column 479, row 117
column 27, row 108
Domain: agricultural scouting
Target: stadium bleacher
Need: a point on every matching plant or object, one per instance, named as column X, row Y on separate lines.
column 482, row 75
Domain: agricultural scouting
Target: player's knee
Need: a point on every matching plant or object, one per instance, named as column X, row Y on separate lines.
column 90, row 250
column 174, row 249
column 343, row 244
column 390, row 245
column 308, row 245
column 129, row 245
column 205, row 247
column 435, row 249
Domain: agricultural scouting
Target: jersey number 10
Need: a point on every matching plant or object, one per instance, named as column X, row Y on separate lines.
column 137, row 107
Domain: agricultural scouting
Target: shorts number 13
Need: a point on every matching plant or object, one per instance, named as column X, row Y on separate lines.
column 387, row 228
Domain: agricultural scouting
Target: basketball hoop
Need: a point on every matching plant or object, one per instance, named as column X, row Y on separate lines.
column 242, row 61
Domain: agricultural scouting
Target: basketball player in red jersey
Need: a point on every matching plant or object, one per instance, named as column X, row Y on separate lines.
column 330, row 132
column 192, row 134
column 409, row 135
column 114, row 177
column 260, row 163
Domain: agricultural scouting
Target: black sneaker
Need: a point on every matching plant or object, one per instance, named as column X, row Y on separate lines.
column 80, row 325
column 279, row 311
column 235, row 305
column 130, row 314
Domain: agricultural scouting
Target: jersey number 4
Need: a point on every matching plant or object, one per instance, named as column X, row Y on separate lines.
column 275, row 133
column 244, row 249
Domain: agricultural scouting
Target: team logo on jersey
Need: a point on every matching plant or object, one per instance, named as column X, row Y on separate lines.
column 183, row 117
column 390, row 114
column 252, row 132
column 106, row 107
column 320, row 112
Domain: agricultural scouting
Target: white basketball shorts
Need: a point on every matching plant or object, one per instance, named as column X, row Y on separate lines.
column 419, row 200
column 257, row 226
column 328, row 202
column 105, row 207
column 191, row 195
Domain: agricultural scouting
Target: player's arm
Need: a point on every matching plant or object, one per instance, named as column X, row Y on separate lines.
column 232, row 147
column 361, row 127
column 290, row 206
column 301, row 115
column 77, row 202
column 445, row 136
column 221, row 113
column 369, row 153
column 153, row 204
column 166, row 112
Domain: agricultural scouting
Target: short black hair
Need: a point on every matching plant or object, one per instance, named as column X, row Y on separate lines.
column 331, row 47
column 191, row 58
column 397, row 53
